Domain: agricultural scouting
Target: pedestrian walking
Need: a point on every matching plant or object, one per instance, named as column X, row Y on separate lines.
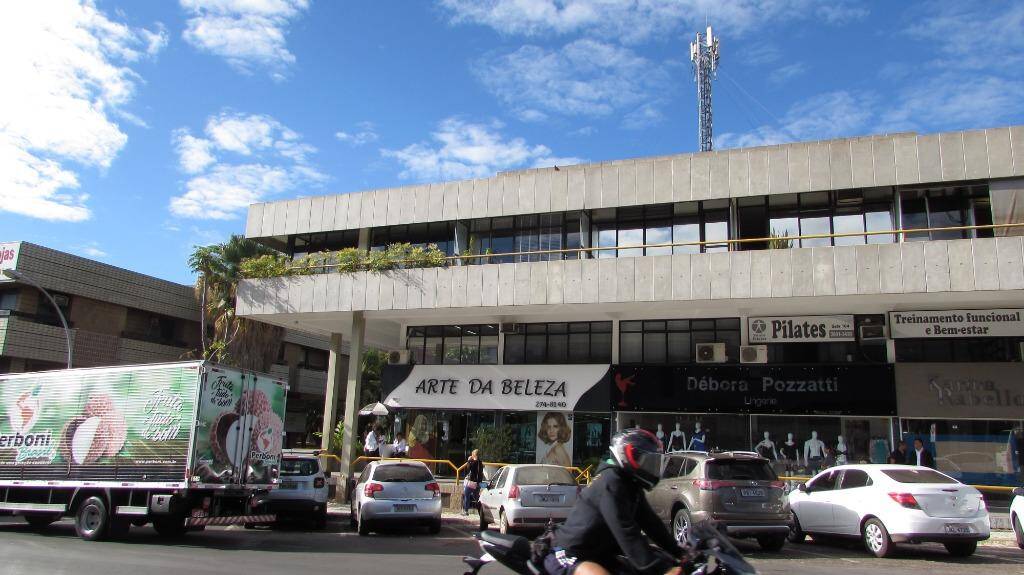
column 471, row 486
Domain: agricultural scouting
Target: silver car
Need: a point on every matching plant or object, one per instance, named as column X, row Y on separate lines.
column 395, row 492
column 520, row 496
column 302, row 493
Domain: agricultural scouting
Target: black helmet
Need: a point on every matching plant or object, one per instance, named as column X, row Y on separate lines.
column 638, row 453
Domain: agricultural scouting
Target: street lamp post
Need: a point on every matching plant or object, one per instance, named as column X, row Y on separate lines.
column 19, row 276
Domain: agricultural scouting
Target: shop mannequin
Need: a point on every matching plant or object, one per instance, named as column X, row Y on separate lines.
column 660, row 434
column 699, row 440
column 841, row 450
column 790, row 454
column 814, row 453
column 766, row 448
column 677, row 439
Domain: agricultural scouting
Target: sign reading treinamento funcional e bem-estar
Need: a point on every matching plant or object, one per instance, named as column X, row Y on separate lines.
column 957, row 323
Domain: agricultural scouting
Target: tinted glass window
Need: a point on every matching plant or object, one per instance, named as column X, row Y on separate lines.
column 688, row 467
column 740, row 469
column 402, row 473
column 294, row 467
column 853, row 478
column 544, row 476
column 918, row 476
column 672, row 467
column 824, row 482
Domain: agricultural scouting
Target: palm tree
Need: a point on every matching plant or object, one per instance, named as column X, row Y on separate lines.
column 236, row 341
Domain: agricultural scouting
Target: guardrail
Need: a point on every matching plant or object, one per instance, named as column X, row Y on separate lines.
column 583, row 475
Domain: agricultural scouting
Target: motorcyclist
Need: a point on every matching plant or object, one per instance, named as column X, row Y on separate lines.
column 612, row 515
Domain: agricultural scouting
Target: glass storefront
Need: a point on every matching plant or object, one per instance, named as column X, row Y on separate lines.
column 979, row 452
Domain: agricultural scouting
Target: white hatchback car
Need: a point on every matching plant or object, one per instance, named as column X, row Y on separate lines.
column 302, row 493
column 400, row 492
column 1017, row 515
column 888, row 504
column 520, row 496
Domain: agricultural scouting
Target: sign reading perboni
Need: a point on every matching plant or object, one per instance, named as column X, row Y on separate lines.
column 801, row 328
column 957, row 323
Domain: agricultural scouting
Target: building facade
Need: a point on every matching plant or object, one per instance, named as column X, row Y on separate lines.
column 815, row 301
column 119, row 317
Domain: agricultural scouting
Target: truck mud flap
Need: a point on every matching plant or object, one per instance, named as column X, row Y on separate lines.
column 236, row 520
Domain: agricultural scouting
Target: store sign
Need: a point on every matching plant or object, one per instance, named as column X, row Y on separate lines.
column 511, row 387
column 801, row 328
column 9, row 252
column 960, row 390
column 957, row 323
column 818, row 389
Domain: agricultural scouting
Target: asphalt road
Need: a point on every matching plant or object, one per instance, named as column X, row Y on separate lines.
column 338, row 550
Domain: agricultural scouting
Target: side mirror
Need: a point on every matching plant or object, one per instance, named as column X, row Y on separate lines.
column 484, row 485
column 803, row 487
column 1019, row 491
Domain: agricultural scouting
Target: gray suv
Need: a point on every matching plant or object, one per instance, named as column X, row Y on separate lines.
column 739, row 490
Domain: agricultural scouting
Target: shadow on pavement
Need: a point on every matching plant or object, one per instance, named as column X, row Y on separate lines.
column 850, row 549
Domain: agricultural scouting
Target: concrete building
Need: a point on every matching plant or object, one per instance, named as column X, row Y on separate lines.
column 119, row 317
column 813, row 301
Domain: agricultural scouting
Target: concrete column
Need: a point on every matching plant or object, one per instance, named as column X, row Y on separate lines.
column 353, row 388
column 615, row 341
column 364, row 240
column 331, row 392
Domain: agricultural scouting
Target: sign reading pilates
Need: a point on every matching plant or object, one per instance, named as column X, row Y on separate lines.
column 801, row 328
column 957, row 323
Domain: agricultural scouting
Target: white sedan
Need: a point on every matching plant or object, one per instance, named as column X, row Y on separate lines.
column 888, row 504
column 1017, row 515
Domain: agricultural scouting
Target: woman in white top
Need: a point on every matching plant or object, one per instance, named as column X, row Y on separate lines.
column 371, row 446
column 399, row 448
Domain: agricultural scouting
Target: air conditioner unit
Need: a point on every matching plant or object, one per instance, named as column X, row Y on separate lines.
column 512, row 328
column 400, row 357
column 711, row 353
column 753, row 354
column 872, row 332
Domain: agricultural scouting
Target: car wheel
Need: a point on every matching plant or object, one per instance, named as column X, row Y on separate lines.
column 92, row 521
column 796, row 533
column 352, row 521
column 771, row 542
column 484, row 523
column 435, row 527
column 320, row 521
column 681, row 524
column 961, row 548
column 170, row 526
column 40, row 521
column 1018, row 532
column 503, row 525
column 363, row 526
column 876, row 538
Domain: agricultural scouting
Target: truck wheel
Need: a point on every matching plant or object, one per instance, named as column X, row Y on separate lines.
column 40, row 521
column 92, row 520
column 171, row 526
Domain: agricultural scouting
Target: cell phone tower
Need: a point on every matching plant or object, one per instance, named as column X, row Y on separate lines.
column 704, row 55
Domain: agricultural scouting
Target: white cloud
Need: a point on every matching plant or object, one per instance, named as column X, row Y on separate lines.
column 65, row 76
column 90, row 249
column 246, row 33
column 974, row 35
column 274, row 161
column 947, row 101
column 531, row 115
column 585, row 77
column 364, row 133
column 462, row 150
column 828, row 115
column 632, row 21
column 783, row 75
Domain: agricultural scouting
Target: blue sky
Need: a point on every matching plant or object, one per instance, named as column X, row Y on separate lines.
column 132, row 131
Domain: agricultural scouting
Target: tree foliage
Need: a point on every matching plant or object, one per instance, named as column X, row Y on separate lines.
column 496, row 444
column 236, row 341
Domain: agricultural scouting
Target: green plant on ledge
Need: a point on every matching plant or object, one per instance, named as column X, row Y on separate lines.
column 347, row 260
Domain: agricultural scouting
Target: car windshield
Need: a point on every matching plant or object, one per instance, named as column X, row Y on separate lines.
column 544, row 476
column 402, row 473
column 293, row 467
column 918, row 476
column 740, row 469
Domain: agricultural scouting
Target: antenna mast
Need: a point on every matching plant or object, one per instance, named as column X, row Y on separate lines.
column 704, row 55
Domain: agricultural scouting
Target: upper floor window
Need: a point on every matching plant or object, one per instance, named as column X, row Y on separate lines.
column 947, row 207
column 847, row 214
column 675, row 341
column 440, row 234
column 529, row 233
column 453, row 344
column 328, row 241
column 573, row 342
column 684, row 223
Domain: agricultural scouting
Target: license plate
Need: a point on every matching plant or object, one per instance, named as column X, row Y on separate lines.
column 958, row 528
column 403, row 508
column 549, row 498
column 199, row 513
column 289, row 485
column 757, row 492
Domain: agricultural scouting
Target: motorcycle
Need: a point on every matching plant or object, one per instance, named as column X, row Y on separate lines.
column 705, row 552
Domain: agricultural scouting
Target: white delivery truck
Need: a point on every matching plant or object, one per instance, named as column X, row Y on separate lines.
column 179, row 445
